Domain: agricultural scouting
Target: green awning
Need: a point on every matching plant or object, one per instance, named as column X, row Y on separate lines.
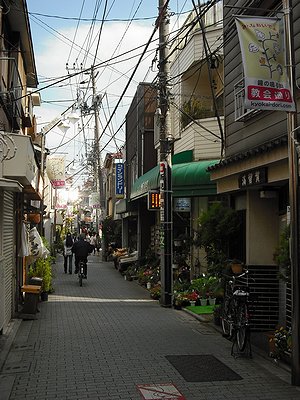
column 188, row 179
column 193, row 179
column 146, row 182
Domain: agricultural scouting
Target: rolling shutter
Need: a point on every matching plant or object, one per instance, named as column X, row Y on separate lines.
column 8, row 232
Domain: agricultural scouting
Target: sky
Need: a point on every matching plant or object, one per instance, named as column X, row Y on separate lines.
column 63, row 45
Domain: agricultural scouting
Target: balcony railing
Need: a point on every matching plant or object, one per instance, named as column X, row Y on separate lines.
column 242, row 113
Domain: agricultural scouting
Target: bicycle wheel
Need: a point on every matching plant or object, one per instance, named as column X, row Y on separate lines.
column 242, row 328
column 226, row 319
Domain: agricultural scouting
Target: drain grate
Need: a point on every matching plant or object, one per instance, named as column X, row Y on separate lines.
column 16, row 367
column 23, row 347
column 202, row 368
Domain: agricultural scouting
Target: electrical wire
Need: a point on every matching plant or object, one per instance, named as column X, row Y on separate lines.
column 76, row 30
column 106, row 20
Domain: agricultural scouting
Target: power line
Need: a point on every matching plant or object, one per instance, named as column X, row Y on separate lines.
column 98, row 20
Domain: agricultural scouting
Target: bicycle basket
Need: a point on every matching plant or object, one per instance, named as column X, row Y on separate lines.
column 236, row 268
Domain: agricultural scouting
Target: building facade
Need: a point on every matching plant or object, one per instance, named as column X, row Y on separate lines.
column 20, row 179
column 255, row 170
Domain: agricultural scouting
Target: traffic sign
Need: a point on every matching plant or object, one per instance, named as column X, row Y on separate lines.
column 165, row 391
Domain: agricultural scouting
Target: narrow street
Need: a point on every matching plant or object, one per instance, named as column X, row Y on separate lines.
column 102, row 340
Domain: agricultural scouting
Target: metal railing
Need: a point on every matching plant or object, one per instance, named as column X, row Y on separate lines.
column 240, row 112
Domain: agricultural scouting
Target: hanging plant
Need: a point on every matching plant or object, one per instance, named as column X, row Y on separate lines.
column 193, row 109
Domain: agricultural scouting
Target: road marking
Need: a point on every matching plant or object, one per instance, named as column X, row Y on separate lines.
column 166, row 391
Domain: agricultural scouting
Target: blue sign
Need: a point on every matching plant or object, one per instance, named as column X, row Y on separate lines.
column 119, row 180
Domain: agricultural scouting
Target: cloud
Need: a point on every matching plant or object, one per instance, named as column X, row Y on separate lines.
column 112, row 74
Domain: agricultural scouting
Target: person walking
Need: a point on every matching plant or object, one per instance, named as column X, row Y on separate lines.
column 68, row 255
column 93, row 241
column 98, row 243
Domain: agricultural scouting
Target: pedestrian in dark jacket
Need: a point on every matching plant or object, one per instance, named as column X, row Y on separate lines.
column 81, row 249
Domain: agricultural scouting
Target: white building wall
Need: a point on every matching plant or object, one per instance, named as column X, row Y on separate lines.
column 205, row 145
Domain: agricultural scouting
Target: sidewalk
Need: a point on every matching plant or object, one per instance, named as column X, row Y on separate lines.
column 109, row 340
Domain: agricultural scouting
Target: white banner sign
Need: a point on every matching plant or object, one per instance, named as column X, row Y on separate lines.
column 95, row 200
column 262, row 42
column 55, row 168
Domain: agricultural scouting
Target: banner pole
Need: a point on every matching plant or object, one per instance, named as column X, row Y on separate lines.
column 293, row 200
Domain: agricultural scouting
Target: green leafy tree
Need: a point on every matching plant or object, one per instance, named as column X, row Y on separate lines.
column 219, row 226
column 282, row 255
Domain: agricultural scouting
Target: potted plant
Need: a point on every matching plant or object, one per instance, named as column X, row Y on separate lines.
column 200, row 286
column 193, row 297
column 180, row 300
column 212, row 289
column 194, row 109
column 281, row 343
column 42, row 268
column 155, row 292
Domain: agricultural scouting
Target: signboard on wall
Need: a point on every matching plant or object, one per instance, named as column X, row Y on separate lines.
column 119, row 180
column 253, row 177
column 153, row 200
column 182, row 204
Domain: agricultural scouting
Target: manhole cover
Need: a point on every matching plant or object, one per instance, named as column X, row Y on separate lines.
column 202, row 368
column 12, row 368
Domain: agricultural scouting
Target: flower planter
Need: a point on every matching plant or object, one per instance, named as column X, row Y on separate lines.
column 148, row 285
column 193, row 303
column 203, row 302
column 211, row 301
column 177, row 306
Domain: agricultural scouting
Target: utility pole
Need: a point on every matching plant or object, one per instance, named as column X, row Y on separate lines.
column 166, row 143
column 293, row 200
column 99, row 178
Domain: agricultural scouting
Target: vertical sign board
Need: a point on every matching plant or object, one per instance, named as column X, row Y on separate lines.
column 162, row 184
column 166, row 233
column 55, row 168
column 153, row 200
column 262, row 41
column 119, row 180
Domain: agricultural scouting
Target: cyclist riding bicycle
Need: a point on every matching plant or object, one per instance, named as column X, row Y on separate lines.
column 82, row 249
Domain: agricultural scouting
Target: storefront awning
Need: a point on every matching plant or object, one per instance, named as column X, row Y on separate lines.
column 10, row 185
column 146, row 182
column 193, row 179
column 188, row 179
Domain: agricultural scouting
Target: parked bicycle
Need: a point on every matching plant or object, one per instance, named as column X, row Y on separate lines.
column 235, row 310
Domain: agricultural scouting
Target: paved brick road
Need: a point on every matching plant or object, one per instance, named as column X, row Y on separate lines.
column 101, row 340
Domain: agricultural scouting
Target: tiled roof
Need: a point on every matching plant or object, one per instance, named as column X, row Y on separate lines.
column 263, row 148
